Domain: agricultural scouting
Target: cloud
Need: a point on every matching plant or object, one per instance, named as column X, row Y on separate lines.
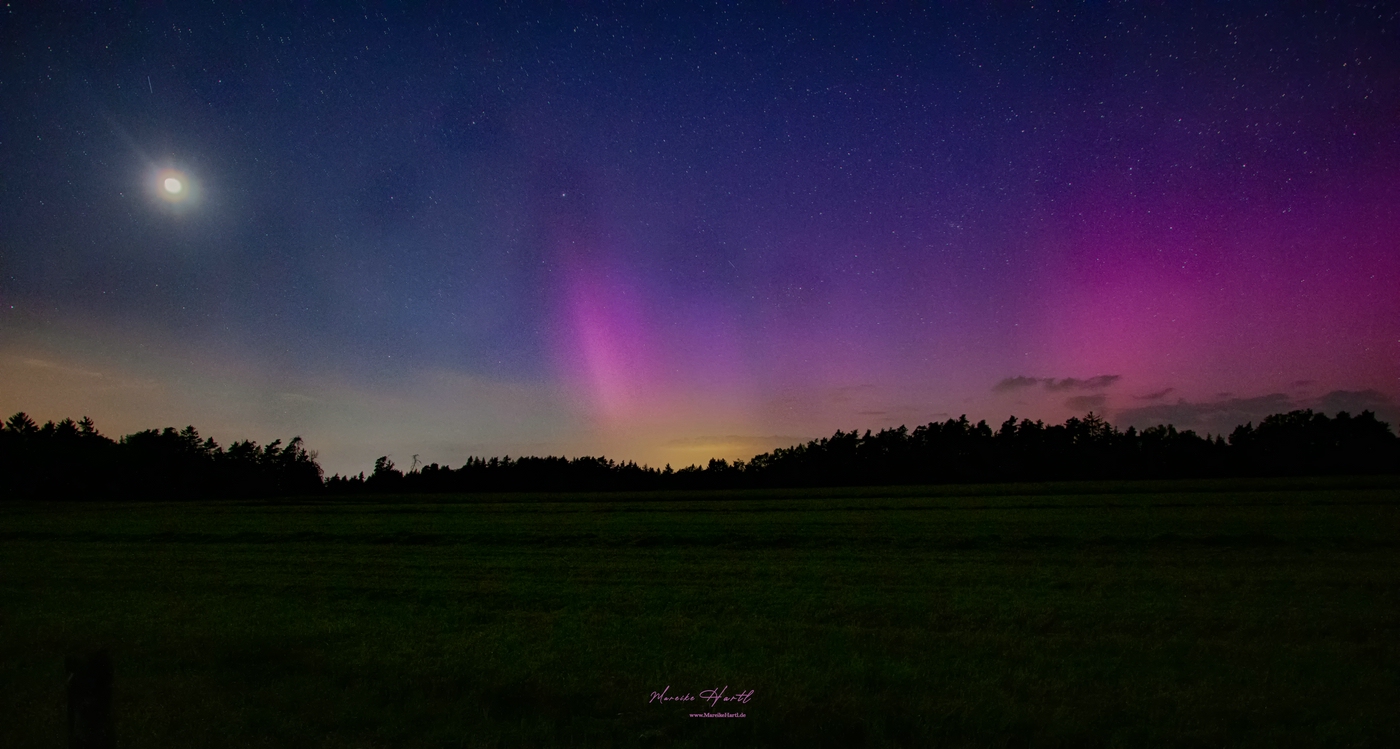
column 1219, row 416
column 1356, row 401
column 1187, row 411
column 1302, row 383
column 1160, row 394
column 1014, row 383
column 846, row 393
column 61, row 383
column 1069, row 383
column 1086, row 402
column 1093, row 383
column 44, row 364
column 1222, row 415
column 895, row 413
column 732, row 441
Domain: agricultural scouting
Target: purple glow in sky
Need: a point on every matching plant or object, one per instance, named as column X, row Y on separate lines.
column 674, row 236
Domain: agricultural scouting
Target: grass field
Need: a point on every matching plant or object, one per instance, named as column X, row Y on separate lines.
column 1129, row 615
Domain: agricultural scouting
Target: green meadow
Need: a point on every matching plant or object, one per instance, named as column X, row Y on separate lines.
column 1233, row 613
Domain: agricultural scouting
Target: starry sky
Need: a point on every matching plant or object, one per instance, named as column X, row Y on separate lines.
column 666, row 234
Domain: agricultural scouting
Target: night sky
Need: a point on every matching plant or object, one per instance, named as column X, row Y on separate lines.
column 667, row 235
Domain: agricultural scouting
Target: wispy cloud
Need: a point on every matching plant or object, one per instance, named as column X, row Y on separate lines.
column 44, row 364
column 1160, row 394
column 1225, row 413
column 1221, row 414
column 1093, row 383
column 1051, row 384
column 733, row 441
column 847, row 393
column 1356, row 401
column 1086, row 402
column 1014, row 383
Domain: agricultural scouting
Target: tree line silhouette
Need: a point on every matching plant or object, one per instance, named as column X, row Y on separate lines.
column 72, row 460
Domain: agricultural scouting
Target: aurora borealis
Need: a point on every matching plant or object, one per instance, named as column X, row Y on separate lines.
column 668, row 235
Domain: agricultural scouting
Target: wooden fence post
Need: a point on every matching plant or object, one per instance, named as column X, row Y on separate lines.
column 90, row 702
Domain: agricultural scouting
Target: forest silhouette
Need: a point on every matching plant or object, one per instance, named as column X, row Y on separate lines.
column 71, row 460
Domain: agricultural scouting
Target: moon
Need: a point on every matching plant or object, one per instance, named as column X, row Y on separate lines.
column 174, row 187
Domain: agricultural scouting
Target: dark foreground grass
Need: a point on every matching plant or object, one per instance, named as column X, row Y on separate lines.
column 1115, row 615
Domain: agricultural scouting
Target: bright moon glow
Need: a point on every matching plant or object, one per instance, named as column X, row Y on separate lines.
column 173, row 186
